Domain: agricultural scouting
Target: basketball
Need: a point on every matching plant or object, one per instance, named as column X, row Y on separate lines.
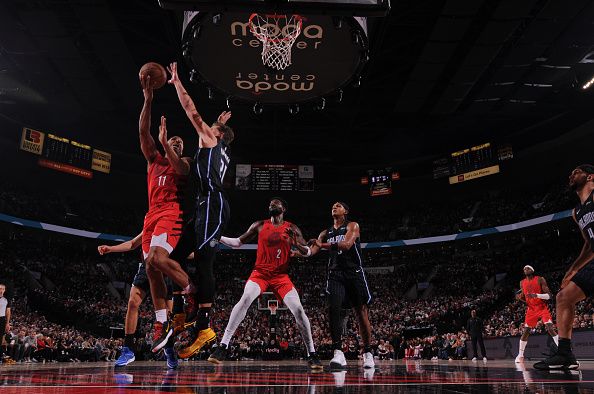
column 156, row 72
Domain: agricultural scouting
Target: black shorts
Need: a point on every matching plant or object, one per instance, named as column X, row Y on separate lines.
column 186, row 243
column 584, row 279
column 348, row 287
column 212, row 216
column 142, row 282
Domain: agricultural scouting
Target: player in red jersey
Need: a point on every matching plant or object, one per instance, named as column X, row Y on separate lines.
column 534, row 292
column 166, row 178
column 275, row 238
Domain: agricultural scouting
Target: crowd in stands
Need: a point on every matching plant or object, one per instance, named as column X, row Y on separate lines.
column 379, row 222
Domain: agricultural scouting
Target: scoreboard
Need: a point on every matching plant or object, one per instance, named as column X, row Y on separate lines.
column 65, row 155
column 65, row 151
column 472, row 163
column 274, row 177
column 380, row 181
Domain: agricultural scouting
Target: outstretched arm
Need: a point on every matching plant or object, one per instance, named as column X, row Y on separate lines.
column 204, row 131
column 121, row 248
column 297, row 240
column 224, row 117
column 245, row 237
column 147, row 143
column 181, row 165
column 350, row 237
column 314, row 244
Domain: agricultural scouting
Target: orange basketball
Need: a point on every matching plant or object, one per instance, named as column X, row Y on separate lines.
column 156, row 72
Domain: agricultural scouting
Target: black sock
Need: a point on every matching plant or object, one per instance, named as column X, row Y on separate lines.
column 367, row 349
column 203, row 318
column 129, row 341
column 178, row 304
column 565, row 345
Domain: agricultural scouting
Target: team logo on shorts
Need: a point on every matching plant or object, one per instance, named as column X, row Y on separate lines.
column 213, row 242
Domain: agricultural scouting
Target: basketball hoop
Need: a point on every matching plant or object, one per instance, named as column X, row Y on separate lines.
column 278, row 34
column 272, row 307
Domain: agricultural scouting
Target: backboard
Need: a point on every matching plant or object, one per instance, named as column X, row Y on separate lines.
column 366, row 8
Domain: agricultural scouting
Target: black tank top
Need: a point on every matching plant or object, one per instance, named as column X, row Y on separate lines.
column 584, row 214
column 343, row 260
column 210, row 166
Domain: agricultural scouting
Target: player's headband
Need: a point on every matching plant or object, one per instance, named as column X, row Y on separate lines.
column 345, row 206
column 529, row 266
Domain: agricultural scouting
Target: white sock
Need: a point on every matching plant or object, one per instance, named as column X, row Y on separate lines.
column 293, row 302
column 161, row 315
column 522, row 347
column 250, row 293
column 556, row 339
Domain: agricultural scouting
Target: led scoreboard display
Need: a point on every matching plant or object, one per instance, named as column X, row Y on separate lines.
column 380, row 181
column 65, row 155
column 274, row 177
column 471, row 163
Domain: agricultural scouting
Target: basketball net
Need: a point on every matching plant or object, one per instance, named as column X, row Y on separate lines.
column 277, row 34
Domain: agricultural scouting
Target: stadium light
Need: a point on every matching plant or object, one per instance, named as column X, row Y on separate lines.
column 588, row 84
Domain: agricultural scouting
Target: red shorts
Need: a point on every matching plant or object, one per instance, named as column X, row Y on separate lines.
column 162, row 227
column 534, row 315
column 279, row 284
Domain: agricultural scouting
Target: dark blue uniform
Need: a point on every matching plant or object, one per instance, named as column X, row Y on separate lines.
column 212, row 214
column 584, row 215
column 212, row 208
column 346, row 277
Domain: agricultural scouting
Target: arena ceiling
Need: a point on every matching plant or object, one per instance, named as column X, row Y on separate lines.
column 444, row 74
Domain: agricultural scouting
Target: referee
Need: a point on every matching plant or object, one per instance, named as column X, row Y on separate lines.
column 4, row 318
column 474, row 327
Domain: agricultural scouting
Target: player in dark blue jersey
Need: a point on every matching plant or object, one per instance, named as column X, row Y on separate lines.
column 346, row 283
column 212, row 209
column 578, row 282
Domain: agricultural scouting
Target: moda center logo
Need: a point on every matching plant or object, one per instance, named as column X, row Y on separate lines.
column 311, row 37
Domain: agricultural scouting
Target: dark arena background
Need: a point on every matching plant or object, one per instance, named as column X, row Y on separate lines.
column 453, row 131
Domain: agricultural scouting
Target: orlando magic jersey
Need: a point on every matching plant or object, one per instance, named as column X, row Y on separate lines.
column 584, row 214
column 210, row 166
column 343, row 259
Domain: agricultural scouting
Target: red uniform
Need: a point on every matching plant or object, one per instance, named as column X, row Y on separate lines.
column 272, row 259
column 537, row 308
column 163, row 221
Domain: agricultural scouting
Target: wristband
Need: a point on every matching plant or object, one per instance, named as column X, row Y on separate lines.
column 544, row 296
column 308, row 251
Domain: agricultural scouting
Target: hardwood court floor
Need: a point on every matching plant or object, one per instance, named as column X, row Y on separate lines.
column 499, row 376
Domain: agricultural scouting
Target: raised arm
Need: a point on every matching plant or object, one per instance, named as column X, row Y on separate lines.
column 147, row 143
column 350, row 237
column 181, row 165
column 121, row 248
column 245, row 237
column 204, row 131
